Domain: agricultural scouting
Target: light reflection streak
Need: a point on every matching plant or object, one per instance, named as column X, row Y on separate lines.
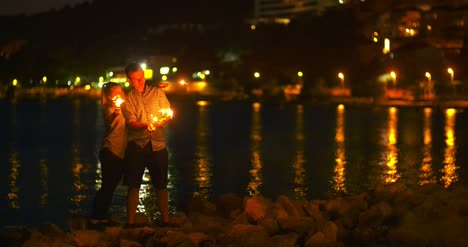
column 77, row 168
column 43, row 163
column 253, row 187
column 203, row 166
column 449, row 170
column 100, row 125
column 427, row 174
column 300, row 189
column 15, row 165
column 44, row 170
column 147, row 199
column 390, row 172
column 339, row 170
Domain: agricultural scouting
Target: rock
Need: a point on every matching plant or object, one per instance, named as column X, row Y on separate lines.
column 299, row 225
column 201, row 205
column 285, row 240
column 14, row 236
column 270, row 225
column 245, row 235
column 227, row 204
column 256, row 208
column 330, row 231
column 292, row 207
column 312, row 209
column 318, row 239
column 129, row 243
column 174, row 239
column 88, row 238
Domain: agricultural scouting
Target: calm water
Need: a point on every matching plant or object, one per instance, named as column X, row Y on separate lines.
column 49, row 167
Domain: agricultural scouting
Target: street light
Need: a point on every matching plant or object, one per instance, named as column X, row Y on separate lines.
column 393, row 76
column 256, row 74
column 429, row 83
column 341, row 76
column 451, row 72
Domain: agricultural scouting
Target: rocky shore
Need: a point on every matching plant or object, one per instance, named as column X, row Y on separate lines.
column 390, row 215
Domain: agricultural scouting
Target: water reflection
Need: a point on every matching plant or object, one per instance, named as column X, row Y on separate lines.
column 78, row 185
column 300, row 187
column 44, row 173
column 147, row 200
column 427, row 174
column 253, row 187
column 449, row 171
column 340, row 159
column 203, row 167
column 15, row 165
column 390, row 172
column 14, row 173
column 43, row 162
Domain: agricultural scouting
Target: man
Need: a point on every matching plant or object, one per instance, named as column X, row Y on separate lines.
column 146, row 146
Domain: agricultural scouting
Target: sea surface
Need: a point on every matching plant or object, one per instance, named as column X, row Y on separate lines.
column 49, row 167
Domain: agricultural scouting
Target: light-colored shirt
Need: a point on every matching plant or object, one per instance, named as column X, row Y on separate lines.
column 116, row 131
column 143, row 107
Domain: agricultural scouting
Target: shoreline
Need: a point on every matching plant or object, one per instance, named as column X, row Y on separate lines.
column 390, row 215
column 52, row 94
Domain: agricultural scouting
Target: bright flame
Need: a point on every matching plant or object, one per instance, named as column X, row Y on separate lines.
column 118, row 100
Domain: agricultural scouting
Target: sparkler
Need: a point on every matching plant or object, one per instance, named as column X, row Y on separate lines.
column 118, row 100
column 166, row 114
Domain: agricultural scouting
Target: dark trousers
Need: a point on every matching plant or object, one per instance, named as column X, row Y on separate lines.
column 111, row 170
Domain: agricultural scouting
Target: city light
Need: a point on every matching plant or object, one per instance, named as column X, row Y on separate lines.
column 257, row 75
column 451, row 72
column 300, row 74
column 393, row 76
column 341, row 76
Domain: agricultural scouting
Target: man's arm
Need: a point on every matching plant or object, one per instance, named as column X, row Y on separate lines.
column 137, row 125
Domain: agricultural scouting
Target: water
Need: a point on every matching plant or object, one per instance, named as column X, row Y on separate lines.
column 49, row 168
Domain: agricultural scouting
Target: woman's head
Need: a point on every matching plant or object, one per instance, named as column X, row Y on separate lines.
column 109, row 91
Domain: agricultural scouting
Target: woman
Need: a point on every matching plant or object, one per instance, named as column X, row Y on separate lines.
column 112, row 151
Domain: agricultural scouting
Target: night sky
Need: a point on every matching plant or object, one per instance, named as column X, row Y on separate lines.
column 15, row 7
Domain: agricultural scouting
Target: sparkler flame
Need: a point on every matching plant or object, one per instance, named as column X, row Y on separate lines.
column 118, row 100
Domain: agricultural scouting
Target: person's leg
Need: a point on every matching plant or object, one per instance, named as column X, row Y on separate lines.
column 134, row 169
column 111, row 170
column 163, row 204
column 132, row 204
column 159, row 175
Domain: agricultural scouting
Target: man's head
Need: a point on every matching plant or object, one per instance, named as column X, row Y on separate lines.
column 136, row 76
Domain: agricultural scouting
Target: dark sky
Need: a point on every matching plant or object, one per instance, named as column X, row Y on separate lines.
column 15, row 7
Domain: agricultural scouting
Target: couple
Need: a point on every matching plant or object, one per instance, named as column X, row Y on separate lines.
column 133, row 142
